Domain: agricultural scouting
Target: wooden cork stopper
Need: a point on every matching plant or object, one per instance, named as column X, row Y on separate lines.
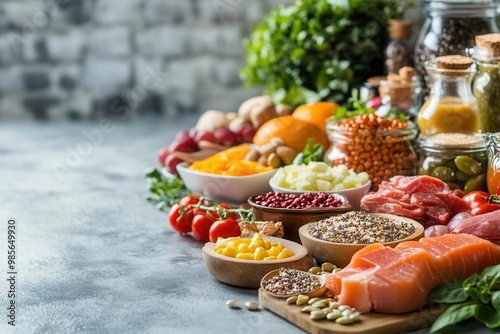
column 399, row 29
column 454, row 62
column 490, row 42
column 393, row 78
column 406, row 73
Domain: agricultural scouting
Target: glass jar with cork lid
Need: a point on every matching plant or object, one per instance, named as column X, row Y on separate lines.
column 400, row 93
column 398, row 52
column 450, row 107
column 450, row 28
column 486, row 85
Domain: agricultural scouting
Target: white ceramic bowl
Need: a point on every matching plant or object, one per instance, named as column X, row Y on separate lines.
column 233, row 190
column 353, row 195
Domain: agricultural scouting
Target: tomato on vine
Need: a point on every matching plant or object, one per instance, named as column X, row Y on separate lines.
column 180, row 219
column 201, row 227
column 225, row 228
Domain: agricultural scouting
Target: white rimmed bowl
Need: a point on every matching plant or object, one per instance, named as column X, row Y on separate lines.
column 223, row 188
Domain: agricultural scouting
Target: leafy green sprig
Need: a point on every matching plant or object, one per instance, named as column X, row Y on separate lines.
column 475, row 297
column 356, row 107
column 312, row 152
column 164, row 191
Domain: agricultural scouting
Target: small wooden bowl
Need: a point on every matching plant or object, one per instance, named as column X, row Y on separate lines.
column 340, row 254
column 249, row 273
column 313, row 293
column 293, row 219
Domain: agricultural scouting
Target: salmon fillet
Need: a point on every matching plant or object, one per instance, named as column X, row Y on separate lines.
column 398, row 280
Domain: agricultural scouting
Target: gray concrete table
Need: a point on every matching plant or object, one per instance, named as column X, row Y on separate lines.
column 92, row 255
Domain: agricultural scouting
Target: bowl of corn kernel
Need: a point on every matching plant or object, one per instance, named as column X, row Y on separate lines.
column 244, row 261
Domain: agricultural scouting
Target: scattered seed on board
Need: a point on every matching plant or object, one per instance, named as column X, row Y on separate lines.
column 314, row 300
column 309, row 309
column 302, row 300
column 335, row 314
column 233, row 303
column 317, row 315
column 344, row 320
column 292, row 299
column 252, row 305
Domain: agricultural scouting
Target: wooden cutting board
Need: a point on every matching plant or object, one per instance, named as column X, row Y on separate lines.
column 372, row 323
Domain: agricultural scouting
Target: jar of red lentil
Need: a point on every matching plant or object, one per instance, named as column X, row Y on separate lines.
column 373, row 144
column 458, row 158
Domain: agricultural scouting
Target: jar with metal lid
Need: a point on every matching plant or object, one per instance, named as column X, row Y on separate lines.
column 486, row 85
column 450, row 28
column 451, row 107
column 460, row 159
column 373, row 144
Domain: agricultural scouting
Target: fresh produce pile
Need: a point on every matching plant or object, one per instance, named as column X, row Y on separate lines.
column 321, row 51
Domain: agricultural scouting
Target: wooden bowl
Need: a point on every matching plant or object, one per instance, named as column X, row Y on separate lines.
column 249, row 273
column 340, row 254
column 293, row 219
column 313, row 293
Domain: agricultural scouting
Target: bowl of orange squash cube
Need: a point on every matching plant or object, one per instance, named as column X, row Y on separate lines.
column 245, row 261
column 226, row 176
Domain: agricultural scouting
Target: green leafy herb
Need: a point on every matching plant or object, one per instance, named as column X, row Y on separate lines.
column 317, row 50
column 354, row 107
column 478, row 297
column 312, row 152
column 164, row 191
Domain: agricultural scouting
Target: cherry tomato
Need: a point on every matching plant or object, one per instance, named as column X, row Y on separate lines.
column 201, row 227
column 180, row 219
column 225, row 228
column 192, row 199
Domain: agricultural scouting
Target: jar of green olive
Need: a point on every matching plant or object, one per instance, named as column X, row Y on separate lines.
column 459, row 159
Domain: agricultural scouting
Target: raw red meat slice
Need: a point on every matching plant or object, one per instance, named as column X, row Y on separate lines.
column 486, row 226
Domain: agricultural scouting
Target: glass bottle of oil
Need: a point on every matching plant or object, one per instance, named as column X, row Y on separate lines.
column 450, row 107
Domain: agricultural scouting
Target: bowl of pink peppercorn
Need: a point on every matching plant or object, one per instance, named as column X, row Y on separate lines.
column 295, row 210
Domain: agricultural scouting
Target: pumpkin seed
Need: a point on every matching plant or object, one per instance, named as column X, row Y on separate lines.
column 292, row 299
column 344, row 321
column 233, row 303
column 252, row 305
column 317, row 315
column 335, row 314
column 302, row 300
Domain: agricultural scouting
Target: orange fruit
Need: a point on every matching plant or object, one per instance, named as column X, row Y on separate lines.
column 316, row 113
column 294, row 132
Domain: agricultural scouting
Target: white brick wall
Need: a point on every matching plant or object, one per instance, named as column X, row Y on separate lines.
column 70, row 58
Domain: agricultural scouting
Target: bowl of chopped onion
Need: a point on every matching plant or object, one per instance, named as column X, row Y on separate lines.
column 320, row 177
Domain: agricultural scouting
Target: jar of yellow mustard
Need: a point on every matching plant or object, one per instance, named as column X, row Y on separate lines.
column 450, row 107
